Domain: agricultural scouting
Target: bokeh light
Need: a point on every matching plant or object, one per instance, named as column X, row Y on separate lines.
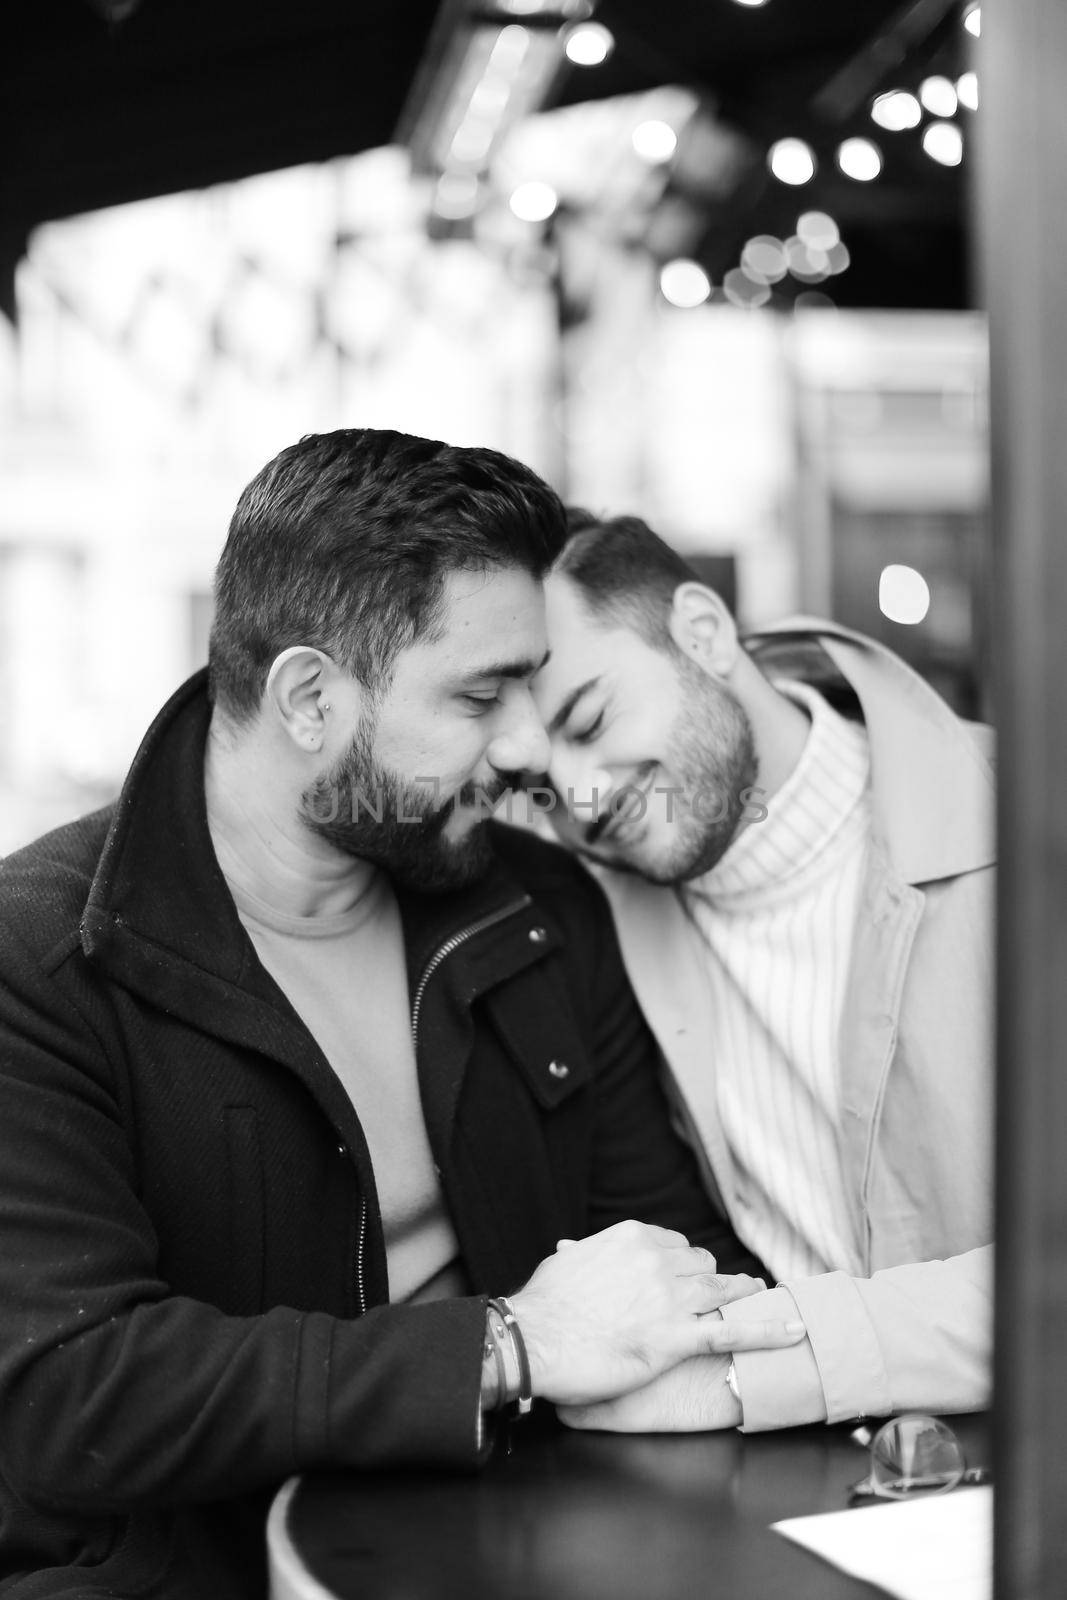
column 534, row 201
column 456, row 195
column 684, row 283
column 967, row 90
column 818, row 230
column 860, row 159
column 742, row 291
column 943, row 142
column 938, row 95
column 654, row 140
column 792, row 161
column 806, row 262
column 903, row 595
column 589, row 44
column 896, row 110
column 838, row 258
column 764, row 260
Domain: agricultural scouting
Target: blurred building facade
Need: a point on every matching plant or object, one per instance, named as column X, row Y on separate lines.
column 166, row 349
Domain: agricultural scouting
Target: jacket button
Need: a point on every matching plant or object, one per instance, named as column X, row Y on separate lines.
column 537, row 935
column 559, row 1069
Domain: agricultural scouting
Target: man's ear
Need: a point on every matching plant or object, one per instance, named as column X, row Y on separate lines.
column 298, row 693
column 703, row 628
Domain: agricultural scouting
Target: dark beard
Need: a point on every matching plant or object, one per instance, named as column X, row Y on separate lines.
column 714, row 752
column 711, row 750
column 365, row 810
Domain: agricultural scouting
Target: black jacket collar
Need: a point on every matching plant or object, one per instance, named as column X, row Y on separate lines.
column 159, row 915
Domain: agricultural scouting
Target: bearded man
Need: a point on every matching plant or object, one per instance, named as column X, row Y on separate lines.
column 305, row 1064
column 796, row 836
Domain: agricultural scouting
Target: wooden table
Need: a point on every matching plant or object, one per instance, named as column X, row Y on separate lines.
column 572, row 1516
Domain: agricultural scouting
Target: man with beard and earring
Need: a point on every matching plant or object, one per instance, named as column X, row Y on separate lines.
column 306, row 1064
column 796, row 836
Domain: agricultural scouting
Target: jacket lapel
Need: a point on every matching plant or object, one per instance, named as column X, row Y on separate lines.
column 931, row 775
column 161, row 922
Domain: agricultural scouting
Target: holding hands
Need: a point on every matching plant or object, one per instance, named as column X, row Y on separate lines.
column 607, row 1315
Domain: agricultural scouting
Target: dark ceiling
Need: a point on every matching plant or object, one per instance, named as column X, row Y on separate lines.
column 810, row 68
column 185, row 93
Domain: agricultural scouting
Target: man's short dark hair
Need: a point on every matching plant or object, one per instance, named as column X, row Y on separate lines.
column 626, row 574
column 343, row 542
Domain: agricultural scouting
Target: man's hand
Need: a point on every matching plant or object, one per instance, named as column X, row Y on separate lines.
column 607, row 1314
column 690, row 1398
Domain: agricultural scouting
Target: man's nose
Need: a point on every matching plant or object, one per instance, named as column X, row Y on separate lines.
column 521, row 743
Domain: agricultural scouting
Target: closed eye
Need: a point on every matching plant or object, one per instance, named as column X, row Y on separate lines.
column 590, row 731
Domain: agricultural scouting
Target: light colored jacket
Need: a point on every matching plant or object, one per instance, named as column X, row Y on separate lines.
column 907, row 1321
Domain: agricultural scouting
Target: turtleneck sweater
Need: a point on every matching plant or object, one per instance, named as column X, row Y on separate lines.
column 776, row 917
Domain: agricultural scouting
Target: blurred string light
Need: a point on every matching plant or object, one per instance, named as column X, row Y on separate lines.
column 903, row 594
column 943, row 142
column 806, row 262
column 967, row 90
column 792, row 161
column 860, row 159
column 529, row 8
column 474, row 120
column 654, row 141
column 815, row 252
column 896, row 110
column 533, row 202
column 456, row 195
column 742, row 290
column 472, row 141
column 818, row 230
column 684, row 283
column 837, row 255
column 589, row 44
column 972, row 20
column 763, row 259
column 751, row 2
column 938, row 97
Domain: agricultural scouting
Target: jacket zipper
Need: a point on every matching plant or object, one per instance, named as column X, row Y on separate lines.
column 447, row 949
column 360, row 1291
column 428, row 971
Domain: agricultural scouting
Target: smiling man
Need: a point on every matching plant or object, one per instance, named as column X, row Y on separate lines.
column 305, row 1062
column 795, row 834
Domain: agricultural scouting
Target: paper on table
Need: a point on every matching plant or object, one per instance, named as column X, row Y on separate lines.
column 937, row 1548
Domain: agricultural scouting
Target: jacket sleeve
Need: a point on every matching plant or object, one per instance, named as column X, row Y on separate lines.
column 116, row 1392
column 911, row 1337
column 640, row 1166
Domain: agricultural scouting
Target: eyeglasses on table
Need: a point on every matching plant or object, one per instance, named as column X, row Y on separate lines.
column 913, row 1454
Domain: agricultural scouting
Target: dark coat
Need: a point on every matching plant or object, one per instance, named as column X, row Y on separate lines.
column 193, row 1287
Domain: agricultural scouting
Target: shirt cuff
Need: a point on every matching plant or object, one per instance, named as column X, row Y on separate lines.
column 778, row 1388
column 851, row 1362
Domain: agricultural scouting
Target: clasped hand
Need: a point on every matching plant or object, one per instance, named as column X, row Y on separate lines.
column 608, row 1314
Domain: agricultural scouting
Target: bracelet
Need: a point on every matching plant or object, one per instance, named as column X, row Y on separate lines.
column 509, row 1372
column 492, row 1348
column 524, row 1399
